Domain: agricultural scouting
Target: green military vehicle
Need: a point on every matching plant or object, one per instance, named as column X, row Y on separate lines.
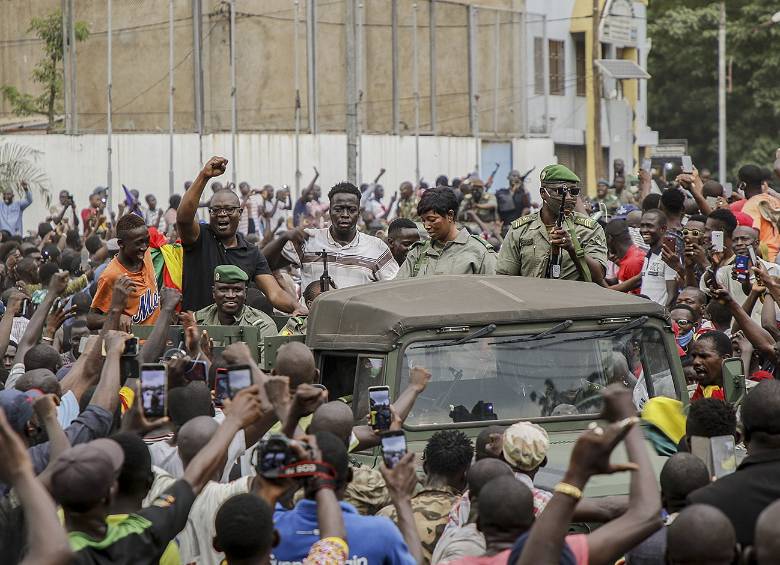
column 500, row 349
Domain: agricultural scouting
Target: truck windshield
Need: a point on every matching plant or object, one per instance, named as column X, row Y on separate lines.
column 508, row 378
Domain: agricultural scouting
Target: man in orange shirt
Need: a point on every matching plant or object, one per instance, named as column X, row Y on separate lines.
column 133, row 271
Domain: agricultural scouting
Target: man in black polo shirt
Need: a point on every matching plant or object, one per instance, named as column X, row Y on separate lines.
column 743, row 495
column 218, row 243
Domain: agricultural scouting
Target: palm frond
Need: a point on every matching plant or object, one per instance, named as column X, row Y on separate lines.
column 20, row 163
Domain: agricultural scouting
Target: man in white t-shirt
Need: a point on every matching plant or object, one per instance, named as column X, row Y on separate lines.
column 354, row 258
column 659, row 277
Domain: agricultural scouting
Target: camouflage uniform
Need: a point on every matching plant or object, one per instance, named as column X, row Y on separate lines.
column 408, row 209
column 367, row 491
column 431, row 508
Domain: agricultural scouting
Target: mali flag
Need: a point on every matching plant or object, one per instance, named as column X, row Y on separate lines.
column 168, row 260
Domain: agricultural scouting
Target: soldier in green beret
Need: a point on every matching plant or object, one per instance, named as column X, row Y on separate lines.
column 229, row 308
column 533, row 239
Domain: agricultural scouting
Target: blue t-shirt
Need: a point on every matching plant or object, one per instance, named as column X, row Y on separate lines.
column 373, row 540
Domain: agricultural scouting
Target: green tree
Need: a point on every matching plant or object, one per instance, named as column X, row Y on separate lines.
column 20, row 163
column 683, row 93
column 47, row 72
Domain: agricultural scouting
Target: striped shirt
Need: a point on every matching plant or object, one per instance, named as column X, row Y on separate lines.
column 364, row 260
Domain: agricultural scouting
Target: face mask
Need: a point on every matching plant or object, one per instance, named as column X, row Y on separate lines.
column 685, row 339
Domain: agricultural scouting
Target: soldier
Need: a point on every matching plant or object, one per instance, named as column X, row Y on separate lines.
column 229, row 308
column 446, row 460
column 449, row 251
column 529, row 244
column 407, row 204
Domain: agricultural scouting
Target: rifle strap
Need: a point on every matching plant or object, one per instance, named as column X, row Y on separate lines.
column 578, row 251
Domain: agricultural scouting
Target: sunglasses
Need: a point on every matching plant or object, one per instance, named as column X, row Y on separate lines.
column 560, row 191
column 692, row 233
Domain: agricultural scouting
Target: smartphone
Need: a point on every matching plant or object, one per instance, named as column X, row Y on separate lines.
column 670, row 242
column 687, row 164
column 728, row 190
column 741, row 263
column 647, row 164
column 152, row 388
column 83, row 344
column 239, row 378
column 718, row 454
column 221, row 387
column 717, row 241
column 27, row 309
column 131, row 347
column 753, row 256
column 393, row 447
column 319, row 386
column 379, row 407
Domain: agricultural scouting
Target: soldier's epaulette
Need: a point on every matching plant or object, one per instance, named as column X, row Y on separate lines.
column 417, row 243
column 523, row 221
column 587, row 222
column 487, row 244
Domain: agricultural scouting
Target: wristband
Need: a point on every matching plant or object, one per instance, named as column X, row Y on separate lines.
column 49, row 339
column 568, row 490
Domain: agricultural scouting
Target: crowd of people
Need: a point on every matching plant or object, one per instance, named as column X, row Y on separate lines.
column 266, row 476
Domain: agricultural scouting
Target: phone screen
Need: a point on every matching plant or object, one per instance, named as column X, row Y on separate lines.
column 646, row 165
column 153, row 391
column 221, row 389
column 687, row 164
column 393, row 448
column 239, row 379
column 379, row 406
column 717, row 241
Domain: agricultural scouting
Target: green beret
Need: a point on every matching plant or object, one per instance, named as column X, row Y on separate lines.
column 230, row 274
column 558, row 173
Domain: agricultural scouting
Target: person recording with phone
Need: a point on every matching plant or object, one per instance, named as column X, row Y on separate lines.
column 661, row 266
column 534, row 240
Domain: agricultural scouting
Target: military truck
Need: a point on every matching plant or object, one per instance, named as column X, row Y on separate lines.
column 500, row 349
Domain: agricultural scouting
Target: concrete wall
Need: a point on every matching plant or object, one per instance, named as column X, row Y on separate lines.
column 78, row 163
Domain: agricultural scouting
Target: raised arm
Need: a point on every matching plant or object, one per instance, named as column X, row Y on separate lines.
column 589, row 457
column 154, row 347
column 107, row 391
column 85, row 370
column 760, row 338
column 35, row 327
column 7, row 322
column 401, row 481
column 27, row 196
column 46, row 538
column 242, row 412
column 643, row 517
column 186, row 222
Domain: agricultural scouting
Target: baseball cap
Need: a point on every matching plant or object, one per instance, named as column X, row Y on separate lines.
column 101, row 190
column 17, row 406
column 525, row 445
column 82, row 475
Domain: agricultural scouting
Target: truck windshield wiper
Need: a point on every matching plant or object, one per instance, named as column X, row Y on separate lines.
column 481, row 332
column 625, row 328
column 549, row 332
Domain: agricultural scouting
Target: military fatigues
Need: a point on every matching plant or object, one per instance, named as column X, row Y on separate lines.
column 465, row 255
column 431, row 508
column 249, row 316
column 408, row 209
column 487, row 215
column 526, row 248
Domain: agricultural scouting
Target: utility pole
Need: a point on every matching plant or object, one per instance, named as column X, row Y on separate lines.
column 722, row 93
column 352, row 101
column 171, row 87
column 596, row 89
